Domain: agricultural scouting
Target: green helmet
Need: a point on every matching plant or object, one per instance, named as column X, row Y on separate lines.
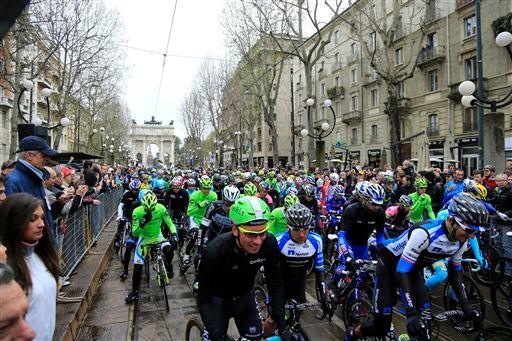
column 149, row 201
column 205, row 182
column 272, row 174
column 421, row 183
column 250, row 189
column 249, row 211
column 290, row 199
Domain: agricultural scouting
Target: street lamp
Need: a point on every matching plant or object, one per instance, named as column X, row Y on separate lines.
column 238, row 133
column 37, row 121
column 102, row 142
column 325, row 131
column 494, row 120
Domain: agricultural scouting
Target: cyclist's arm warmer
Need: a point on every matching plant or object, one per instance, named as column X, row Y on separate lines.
column 489, row 207
column 428, row 206
column 475, row 247
column 207, row 219
column 455, row 278
column 168, row 221
column 193, row 206
column 418, row 241
column 135, row 224
column 120, row 210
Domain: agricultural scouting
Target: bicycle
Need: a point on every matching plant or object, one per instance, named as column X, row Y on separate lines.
column 190, row 236
column 194, row 331
column 501, row 298
column 293, row 311
column 155, row 260
column 495, row 333
column 124, row 237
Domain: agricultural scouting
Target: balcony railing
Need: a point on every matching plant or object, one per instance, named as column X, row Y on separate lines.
column 431, row 54
column 403, row 102
column 431, row 15
column 433, row 131
column 336, row 66
column 374, row 140
column 372, row 77
column 336, row 91
column 41, row 100
column 298, row 128
column 6, row 102
column 44, row 80
column 353, row 141
column 352, row 116
column 353, row 57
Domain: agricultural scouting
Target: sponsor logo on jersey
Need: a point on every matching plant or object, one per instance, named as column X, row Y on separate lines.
column 255, row 261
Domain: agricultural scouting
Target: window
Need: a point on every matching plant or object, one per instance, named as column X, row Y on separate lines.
column 259, row 133
column 353, row 49
column 337, row 81
column 373, row 41
column 400, row 89
column 373, row 133
column 322, row 64
column 433, row 124
column 402, row 129
column 469, row 26
column 371, row 11
column 354, row 103
column 432, row 41
column 433, row 84
column 399, row 56
column 353, row 76
column 337, row 37
column 3, row 119
column 470, row 120
column 338, row 108
column 374, row 94
column 270, row 147
column 258, row 147
column 299, row 119
column 470, row 68
column 353, row 138
column 337, row 60
column 322, row 89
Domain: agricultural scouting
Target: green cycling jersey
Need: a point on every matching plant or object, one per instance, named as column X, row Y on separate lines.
column 151, row 229
column 277, row 222
column 421, row 203
column 198, row 204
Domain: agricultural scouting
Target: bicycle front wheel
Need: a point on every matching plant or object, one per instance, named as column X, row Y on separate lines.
column 162, row 281
column 473, row 294
column 194, row 330
column 122, row 245
column 495, row 334
column 303, row 336
column 357, row 311
column 501, row 298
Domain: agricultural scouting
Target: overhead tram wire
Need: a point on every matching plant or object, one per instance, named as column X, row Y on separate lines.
column 165, row 56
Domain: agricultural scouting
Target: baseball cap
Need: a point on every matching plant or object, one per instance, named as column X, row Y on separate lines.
column 36, row 143
column 67, row 171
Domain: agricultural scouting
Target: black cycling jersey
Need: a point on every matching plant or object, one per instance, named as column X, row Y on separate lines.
column 177, row 203
column 128, row 199
column 226, row 272
column 312, row 204
column 217, row 188
column 359, row 223
column 215, row 221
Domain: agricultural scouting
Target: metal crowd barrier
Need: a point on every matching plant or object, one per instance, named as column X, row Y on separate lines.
column 84, row 227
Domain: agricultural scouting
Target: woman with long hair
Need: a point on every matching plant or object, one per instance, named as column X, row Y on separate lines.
column 33, row 258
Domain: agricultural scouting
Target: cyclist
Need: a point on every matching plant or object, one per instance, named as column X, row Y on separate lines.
column 334, row 206
column 197, row 206
column 158, row 187
column 308, row 199
column 277, row 221
column 228, row 269
column 250, row 189
column 402, row 260
column 421, row 208
column 146, row 222
column 397, row 217
column 125, row 209
column 177, row 200
column 263, row 193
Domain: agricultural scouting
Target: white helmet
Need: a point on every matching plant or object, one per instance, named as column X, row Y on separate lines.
column 230, row 193
column 334, row 177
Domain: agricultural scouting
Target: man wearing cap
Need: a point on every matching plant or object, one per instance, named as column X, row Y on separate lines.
column 488, row 179
column 29, row 175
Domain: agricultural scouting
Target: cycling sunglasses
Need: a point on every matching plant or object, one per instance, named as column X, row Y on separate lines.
column 298, row 229
column 254, row 234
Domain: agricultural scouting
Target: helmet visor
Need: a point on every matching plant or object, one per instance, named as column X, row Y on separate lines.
column 471, row 228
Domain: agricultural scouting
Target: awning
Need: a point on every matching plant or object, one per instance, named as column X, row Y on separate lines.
column 66, row 157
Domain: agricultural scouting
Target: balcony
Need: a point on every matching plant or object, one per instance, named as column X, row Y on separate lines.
column 371, row 78
column 431, row 55
column 463, row 3
column 6, row 102
column 41, row 100
column 353, row 141
column 335, row 67
column 433, row 131
column 352, row 58
column 44, row 81
column 25, row 109
column 431, row 15
column 403, row 103
column 374, row 140
column 336, row 91
column 352, row 116
column 298, row 128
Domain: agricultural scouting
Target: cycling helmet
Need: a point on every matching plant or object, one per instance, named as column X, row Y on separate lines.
column 309, row 189
column 265, row 186
column 490, row 167
column 289, row 180
column 191, row 182
column 257, row 180
column 421, row 183
column 309, row 180
column 375, row 194
column 479, row 191
column 249, row 211
column 176, row 182
column 261, row 172
column 391, row 212
column 158, row 184
column 334, row 177
column 250, row 189
column 134, row 184
column 216, row 177
column 469, row 212
column 224, row 179
column 361, row 189
column 272, row 174
column 319, row 182
column 290, row 199
column 230, row 193
column 339, row 191
column 246, row 176
column 468, row 183
column 142, row 192
column 292, row 190
column 405, row 200
column 388, row 180
column 299, row 216
column 149, row 201
column 205, row 182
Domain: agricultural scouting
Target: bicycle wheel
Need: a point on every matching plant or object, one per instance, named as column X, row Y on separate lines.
column 495, row 334
column 485, row 276
column 124, row 238
column 194, row 330
column 163, row 281
column 499, row 268
column 146, row 269
column 501, row 298
column 474, row 296
column 260, row 296
column 303, row 336
column 356, row 311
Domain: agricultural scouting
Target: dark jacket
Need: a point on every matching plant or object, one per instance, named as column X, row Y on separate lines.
column 502, row 200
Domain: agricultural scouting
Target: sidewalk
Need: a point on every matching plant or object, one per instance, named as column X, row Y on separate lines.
column 78, row 296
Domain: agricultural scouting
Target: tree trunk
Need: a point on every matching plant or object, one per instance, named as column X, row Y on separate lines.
column 310, row 94
column 393, row 113
column 17, row 89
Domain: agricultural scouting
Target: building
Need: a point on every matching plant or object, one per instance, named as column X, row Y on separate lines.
column 428, row 102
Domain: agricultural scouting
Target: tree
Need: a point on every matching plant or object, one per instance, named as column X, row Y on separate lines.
column 363, row 22
column 194, row 118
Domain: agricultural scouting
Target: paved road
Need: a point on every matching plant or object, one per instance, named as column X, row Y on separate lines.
column 111, row 319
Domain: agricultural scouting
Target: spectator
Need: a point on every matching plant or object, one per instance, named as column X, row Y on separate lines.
column 29, row 175
column 406, row 187
column 502, row 195
column 455, row 185
column 488, row 179
column 89, row 174
column 8, row 166
column 2, row 189
column 14, row 308
column 33, row 258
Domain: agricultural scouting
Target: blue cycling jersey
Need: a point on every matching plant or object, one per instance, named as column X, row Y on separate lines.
column 297, row 256
column 335, row 204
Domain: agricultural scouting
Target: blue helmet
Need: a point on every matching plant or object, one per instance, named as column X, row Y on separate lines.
column 134, row 184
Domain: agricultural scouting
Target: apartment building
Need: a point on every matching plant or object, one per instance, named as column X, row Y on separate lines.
column 428, row 102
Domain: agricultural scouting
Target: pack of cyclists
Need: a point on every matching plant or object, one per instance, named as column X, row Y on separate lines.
column 274, row 220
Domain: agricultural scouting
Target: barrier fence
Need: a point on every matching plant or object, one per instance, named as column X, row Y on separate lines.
column 84, row 227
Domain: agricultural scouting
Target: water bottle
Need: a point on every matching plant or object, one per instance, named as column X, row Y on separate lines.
column 274, row 338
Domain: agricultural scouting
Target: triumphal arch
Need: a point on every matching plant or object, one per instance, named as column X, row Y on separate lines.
column 153, row 132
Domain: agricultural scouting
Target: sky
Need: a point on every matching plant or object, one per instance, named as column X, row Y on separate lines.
column 196, row 33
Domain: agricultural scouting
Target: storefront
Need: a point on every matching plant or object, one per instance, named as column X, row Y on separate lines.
column 436, row 154
column 374, row 156
column 468, row 154
column 354, row 155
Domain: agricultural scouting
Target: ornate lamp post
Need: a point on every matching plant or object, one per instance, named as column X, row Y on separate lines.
column 490, row 125
column 102, row 142
column 325, row 131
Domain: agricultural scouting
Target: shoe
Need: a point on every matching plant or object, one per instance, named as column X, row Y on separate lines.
column 132, row 296
column 186, row 260
column 195, row 289
column 170, row 272
column 116, row 246
column 123, row 275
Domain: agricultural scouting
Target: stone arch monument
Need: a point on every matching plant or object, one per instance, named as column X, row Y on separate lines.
column 153, row 132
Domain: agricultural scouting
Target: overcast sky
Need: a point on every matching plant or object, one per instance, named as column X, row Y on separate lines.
column 196, row 33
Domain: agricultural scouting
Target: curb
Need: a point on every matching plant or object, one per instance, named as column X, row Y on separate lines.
column 71, row 315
